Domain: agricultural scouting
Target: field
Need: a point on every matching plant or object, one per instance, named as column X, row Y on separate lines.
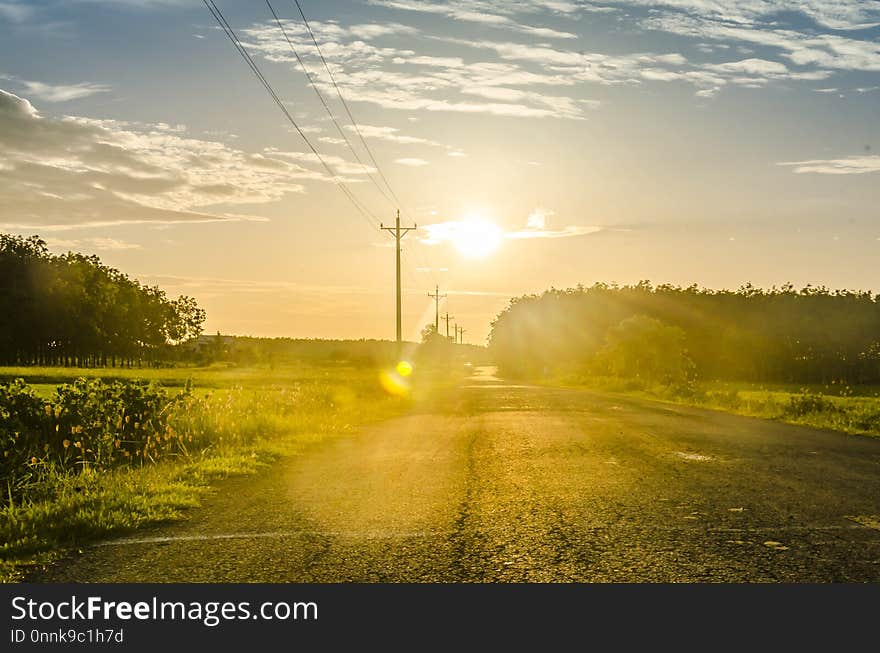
column 841, row 407
column 134, row 447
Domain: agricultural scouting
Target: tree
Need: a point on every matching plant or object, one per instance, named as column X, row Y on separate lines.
column 73, row 310
column 644, row 348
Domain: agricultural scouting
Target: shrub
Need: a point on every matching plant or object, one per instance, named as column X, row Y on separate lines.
column 88, row 423
column 807, row 402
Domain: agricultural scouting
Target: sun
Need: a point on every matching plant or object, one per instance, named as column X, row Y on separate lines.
column 476, row 237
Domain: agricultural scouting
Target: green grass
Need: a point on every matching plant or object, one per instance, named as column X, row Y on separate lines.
column 848, row 409
column 247, row 419
column 215, row 376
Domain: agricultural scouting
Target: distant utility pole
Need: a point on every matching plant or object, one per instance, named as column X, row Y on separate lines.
column 461, row 333
column 437, row 297
column 447, row 317
column 398, row 233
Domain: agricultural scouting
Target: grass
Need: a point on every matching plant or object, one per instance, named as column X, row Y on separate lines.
column 214, row 376
column 839, row 407
column 246, row 419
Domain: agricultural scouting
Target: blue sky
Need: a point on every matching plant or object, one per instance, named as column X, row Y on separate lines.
column 714, row 142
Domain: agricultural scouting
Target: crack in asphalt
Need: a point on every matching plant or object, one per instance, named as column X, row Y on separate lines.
column 460, row 533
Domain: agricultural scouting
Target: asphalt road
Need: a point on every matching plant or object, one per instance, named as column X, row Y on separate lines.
column 506, row 483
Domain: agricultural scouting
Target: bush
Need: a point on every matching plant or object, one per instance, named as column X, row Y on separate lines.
column 807, row 403
column 729, row 399
column 88, row 423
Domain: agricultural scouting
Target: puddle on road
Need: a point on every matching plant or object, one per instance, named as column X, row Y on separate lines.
column 684, row 455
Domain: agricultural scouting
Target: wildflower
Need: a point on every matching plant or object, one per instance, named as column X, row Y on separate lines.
column 33, row 460
column 66, row 443
column 117, row 443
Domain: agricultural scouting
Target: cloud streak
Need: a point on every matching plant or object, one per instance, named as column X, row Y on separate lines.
column 487, row 14
column 853, row 165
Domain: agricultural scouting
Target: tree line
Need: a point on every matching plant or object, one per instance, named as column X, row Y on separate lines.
column 72, row 310
column 668, row 333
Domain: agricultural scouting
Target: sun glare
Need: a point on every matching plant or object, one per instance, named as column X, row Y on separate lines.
column 476, row 237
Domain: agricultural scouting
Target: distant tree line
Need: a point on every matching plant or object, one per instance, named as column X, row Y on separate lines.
column 667, row 333
column 362, row 353
column 73, row 310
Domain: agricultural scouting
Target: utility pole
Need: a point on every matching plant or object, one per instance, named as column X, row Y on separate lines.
column 437, row 297
column 447, row 317
column 460, row 334
column 398, row 233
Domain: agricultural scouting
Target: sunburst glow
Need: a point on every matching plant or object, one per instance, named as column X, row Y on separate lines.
column 474, row 236
column 477, row 237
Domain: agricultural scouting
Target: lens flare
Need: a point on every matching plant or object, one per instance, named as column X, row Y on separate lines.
column 396, row 381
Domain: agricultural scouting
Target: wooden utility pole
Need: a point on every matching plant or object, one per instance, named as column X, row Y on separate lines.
column 460, row 333
column 398, row 233
column 446, row 318
column 437, row 297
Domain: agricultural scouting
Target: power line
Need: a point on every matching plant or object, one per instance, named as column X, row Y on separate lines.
column 357, row 128
column 236, row 42
column 345, row 104
column 317, row 91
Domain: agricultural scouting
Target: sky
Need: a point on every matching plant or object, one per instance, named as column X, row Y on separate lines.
column 535, row 143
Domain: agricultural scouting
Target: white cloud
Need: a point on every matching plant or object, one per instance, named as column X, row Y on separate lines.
column 63, row 92
column 56, row 92
column 391, row 134
column 832, row 14
column 490, row 14
column 338, row 164
column 853, row 165
column 413, row 78
column 85, row 172
column 331, row 140
column 422, row 83
column 411, row 161
column 15, row 12
column 538, row 218
column 101, row 244
column 822, row 50
column 566, row 232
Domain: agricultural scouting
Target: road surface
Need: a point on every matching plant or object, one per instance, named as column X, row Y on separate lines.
column 508, row 483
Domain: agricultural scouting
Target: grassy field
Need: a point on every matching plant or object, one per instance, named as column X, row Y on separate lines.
column 850, row 409
column 224, row 421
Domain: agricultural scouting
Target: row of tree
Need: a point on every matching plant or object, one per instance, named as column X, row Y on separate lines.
column 73, row 310
column 808, row 335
